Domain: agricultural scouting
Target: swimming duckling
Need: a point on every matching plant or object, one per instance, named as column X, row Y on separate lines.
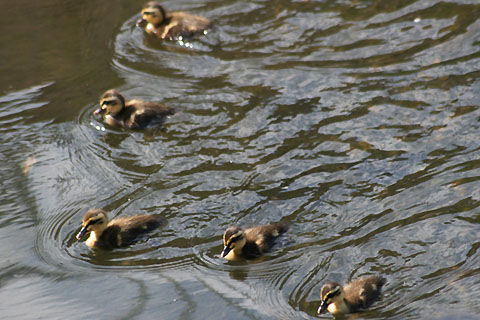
column 117, row 233
column 171, row 25
column 133, row 114
column 356, row 295
column 251, row 243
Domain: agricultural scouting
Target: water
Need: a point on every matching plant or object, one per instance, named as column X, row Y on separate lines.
column 356, row 121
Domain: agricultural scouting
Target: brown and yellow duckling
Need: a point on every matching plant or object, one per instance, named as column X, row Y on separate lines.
column 132, row 114
column 119, row 232
column 355, row 295
column 252, row 242
column 171, row 25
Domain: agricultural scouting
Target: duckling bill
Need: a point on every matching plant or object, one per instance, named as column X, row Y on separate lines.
column 252, row 242
column 117, row 233
column 354, row 296
column 171, row 25
column 133, row 114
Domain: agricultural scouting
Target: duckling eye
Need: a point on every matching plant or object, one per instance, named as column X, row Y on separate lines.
column 92, row 222
column 331, row 294
column 149, row 13
column 236, row 238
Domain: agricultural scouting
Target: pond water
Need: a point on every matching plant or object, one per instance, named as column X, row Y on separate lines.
column 355, row 121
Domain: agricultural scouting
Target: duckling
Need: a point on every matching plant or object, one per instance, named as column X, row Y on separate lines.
column 358, row 294
column 251, row 243
column 173, row 25
column 133, row 114
column 119, row 232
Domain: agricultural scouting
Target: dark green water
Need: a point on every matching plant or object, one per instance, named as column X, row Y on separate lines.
column 356, row 121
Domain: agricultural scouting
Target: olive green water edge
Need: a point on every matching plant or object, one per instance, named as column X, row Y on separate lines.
column 355, row 121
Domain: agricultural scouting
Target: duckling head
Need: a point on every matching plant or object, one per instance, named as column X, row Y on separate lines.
column 233, row 239
column 331, row 293
column 111, row 103
column 95, row 220
column 152, row 13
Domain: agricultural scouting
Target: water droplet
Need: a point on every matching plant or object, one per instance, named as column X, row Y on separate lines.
column 417, row 20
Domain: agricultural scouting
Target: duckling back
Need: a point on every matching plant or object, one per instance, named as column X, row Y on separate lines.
column 363, row 292
column 185, row 25
column 122, row 232
column 264, row 236
column 141, row 114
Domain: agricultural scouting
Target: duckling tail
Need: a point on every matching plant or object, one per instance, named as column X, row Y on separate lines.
column 282, row 227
